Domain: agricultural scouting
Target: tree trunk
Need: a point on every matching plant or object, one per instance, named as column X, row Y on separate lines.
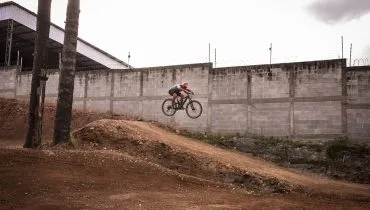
column 33, row 140
column 43, row 80
column 66, row 79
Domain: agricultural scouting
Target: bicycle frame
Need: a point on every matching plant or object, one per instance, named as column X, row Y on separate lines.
column 192, row 106
column 182, row 101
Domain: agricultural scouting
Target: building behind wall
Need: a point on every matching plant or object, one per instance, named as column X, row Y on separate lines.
column 17, row 42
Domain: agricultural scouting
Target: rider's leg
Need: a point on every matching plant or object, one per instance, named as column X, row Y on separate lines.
column 174, row 96
column 182, row 97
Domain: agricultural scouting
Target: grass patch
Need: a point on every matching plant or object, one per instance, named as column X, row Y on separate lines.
column 337, row 148
column 340, row 147
column 207, row 137
column 203, row 136
column 72, row 141
column 286, row 143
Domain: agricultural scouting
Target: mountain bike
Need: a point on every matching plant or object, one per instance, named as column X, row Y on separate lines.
column 193, row 108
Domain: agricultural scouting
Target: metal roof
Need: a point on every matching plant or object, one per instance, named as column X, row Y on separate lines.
column 23, row 40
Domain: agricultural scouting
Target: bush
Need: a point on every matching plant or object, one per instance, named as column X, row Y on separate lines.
column 337, row 148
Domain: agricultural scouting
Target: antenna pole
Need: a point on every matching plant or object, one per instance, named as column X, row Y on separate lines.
column 215, row 58
column 342, row 46
column 270, row 53
column 128, row 59
column 209, row 52
column 350, row 55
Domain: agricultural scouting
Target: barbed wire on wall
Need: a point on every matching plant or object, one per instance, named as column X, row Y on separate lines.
column 221, row 63
column 360, row 61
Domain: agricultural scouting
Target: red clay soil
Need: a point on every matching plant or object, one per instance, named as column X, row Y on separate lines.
column 125, row 164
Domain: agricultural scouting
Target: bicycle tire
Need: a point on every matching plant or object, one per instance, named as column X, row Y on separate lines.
column 190, row 107
column 165, row 108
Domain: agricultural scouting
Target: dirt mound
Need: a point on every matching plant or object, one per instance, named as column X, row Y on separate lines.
column 125, row 136
column 102, row 179
column 109, row 133
column 13, row 120
column 120, row 164
column 188, row 156
column 114, row 165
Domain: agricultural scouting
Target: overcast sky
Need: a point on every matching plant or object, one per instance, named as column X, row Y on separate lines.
column 170, row 32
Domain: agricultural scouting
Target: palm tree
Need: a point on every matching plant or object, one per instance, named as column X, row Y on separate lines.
column 63, row 113
column 33, row 138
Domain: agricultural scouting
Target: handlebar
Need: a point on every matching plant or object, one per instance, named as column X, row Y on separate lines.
column 189, row 92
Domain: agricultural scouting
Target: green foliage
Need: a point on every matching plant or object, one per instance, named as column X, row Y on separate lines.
column 285, row 143
column 210, row 138
column 340, row 147
column 283, row 153
column 336, row 148
column 72, row 141
column 271, row 140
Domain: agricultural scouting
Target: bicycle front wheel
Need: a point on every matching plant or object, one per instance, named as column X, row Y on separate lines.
column 194, row 109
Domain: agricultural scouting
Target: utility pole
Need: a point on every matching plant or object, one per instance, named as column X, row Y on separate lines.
column 215, row 58
column 342, row 47
column 128, row 57
column 17, row 58
column 209, row 52
column 9, row 41
column 350, row 55
column 60, row 61
column 270, row 53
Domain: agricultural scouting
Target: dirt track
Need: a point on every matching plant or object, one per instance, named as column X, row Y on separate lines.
column 253, row 164
column 98, row 178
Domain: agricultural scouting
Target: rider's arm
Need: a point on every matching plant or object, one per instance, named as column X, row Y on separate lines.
column 188, row 91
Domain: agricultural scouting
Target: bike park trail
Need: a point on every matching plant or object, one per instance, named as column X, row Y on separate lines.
column 246, row 162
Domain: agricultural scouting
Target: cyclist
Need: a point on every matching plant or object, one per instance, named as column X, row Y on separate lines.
column 175, row 91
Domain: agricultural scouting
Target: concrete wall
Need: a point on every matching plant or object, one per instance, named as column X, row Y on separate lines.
column 140, row 92
column 318, row 101
column 8, row 83
column 127, row 91
column 358, row 108
column 299, row 100
column 23, row 85
column 304, row 100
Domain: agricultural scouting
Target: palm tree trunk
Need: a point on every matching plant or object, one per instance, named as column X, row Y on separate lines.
column 66, row 79
column 33, row 138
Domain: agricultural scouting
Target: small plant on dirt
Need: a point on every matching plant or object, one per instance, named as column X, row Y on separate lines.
column 271, row 140
column 337, row 148
column 72, row 141
column 283, row 153
column 207, row 137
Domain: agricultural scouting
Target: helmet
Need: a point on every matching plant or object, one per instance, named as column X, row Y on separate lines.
column 185, row 84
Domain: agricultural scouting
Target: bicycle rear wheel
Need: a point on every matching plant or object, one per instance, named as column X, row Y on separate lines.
column 167, row 108
column 194, row 109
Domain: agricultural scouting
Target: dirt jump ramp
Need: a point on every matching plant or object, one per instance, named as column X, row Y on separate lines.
column 195, row 158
